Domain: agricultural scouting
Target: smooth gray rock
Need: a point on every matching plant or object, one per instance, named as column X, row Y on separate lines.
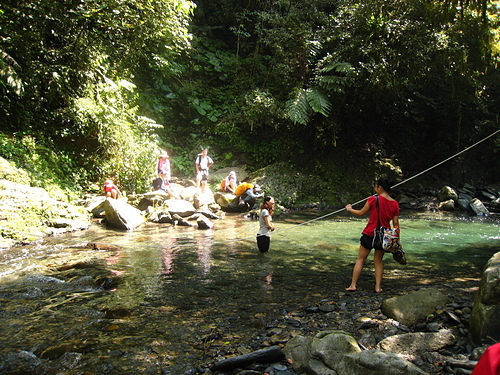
column 121, row 215
column 411, row 308
column 336, row 352
column 485, row 319
column 417, row 342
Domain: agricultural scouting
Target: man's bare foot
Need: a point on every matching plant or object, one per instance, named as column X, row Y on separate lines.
column 378, row 290
column 350, row 289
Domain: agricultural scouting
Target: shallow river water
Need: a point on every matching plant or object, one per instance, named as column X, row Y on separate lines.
column 167, row 300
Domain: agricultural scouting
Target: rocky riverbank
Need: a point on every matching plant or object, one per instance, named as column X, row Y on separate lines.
column 437, row 344
column 28, row 214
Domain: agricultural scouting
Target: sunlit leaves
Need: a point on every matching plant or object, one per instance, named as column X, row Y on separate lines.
column 318, row 102
column 128, row 146
column 9, row 72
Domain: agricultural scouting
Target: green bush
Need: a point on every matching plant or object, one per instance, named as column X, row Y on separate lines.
column 40, row 166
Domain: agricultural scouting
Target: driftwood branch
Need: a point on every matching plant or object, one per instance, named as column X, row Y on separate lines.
column 267, row 355
column 469, row 365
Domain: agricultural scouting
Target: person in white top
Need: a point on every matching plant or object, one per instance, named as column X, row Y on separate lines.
column 229, row 183
column 266, row 224
column 202, row 164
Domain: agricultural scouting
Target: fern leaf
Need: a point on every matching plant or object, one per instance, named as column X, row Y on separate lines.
column 339, row 67
column 333, row 83
column 297, row 108
column 318, row 102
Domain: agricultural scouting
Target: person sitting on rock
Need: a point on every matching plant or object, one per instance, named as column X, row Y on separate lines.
column 162, row 183
column 111, row 190
column 228, row 185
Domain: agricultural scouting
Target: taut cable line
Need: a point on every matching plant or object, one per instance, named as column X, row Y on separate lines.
column 451, row 157
column 398, row 184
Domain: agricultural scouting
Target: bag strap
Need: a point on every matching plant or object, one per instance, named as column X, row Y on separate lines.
column 378, row 211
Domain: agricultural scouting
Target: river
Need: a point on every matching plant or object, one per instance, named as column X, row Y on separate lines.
column 168, row 300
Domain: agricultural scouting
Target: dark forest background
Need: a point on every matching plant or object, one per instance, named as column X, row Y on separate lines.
column 342, row 91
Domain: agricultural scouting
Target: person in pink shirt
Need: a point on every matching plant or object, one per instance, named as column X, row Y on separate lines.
column 163, row 165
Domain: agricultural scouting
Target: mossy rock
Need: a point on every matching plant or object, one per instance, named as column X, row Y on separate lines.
column 28, row 213
column 9, row 172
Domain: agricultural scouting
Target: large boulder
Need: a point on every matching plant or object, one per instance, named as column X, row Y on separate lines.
column 448, row 205
column 411, row 308
column 376, row 362
column 310, row 354
column 447, row 193
column 95, row 206
column 224, row 199
column 180, row 207
column 121, row 215
column 478, row 207
column 204, row 222
column 153, row 199
column 464, row 201
column 336, row 352
column 230, row 203
column 485, row 319
column 9, row 172
column 495, row 205
column 188, row 193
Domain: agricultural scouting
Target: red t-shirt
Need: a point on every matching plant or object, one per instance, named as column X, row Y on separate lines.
column 388, row 209
column 489, row 363
column 109, row 188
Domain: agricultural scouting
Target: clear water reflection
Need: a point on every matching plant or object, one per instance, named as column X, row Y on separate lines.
column 179, row 285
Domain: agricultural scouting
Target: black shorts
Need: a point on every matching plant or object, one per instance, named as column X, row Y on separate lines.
column 263, row 243
column 367, row 241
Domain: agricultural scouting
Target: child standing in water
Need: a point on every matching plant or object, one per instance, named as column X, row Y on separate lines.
column 266, row 224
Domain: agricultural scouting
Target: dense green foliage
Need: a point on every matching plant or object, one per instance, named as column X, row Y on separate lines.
column 318, row 85
column 68, row 69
